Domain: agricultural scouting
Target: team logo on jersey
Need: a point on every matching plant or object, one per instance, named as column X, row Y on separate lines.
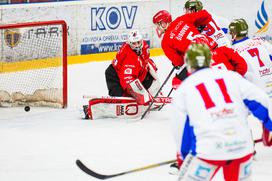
column 262, row 22
column 128, row 71
column 12, row 37
column 222, row 114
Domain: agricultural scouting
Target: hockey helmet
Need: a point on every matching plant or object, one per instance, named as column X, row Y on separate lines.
column 162, row 19
column 162, row 15
column 135, row 40
column 238, row 27
column 193, row 6
column 197, row 56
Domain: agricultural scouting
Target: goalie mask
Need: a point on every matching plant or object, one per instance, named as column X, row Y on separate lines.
column 198, row 56
column 192, row 6
column 135, row 41
column 238, row 28
column 162, row 19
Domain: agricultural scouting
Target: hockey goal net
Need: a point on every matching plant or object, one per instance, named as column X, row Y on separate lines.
column 33, row 64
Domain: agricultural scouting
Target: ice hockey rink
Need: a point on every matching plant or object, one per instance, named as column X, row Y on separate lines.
column 43, row 144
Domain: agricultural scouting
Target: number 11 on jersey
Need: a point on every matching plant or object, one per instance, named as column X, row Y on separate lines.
column 209, row 103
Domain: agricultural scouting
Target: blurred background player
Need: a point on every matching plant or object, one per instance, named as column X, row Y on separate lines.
column 256, row 52
column 177, row 36
column 209, row 112
column 216, row 28
column 132, row 72
column 258, row 55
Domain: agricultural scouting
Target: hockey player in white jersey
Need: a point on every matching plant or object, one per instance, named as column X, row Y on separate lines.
column 258, row 56
column 256, row 52
column 209, row 112
column 216, row 29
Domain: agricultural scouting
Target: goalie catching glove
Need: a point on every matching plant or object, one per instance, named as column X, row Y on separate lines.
column 137, row 90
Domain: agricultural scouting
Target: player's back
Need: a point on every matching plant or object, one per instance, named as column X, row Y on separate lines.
column 258, row 57
column 180, row 33
column 220, row 120
column 176, row 40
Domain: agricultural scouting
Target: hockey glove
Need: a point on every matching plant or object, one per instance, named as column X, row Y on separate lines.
column 267, row 137
column 182, row 73
column 176, row 82
column 137, row 91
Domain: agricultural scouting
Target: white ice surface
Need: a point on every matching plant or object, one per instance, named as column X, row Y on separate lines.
column 43, row 144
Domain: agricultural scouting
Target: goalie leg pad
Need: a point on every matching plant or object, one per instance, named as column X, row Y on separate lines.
column 117, row 107
column 114, row 107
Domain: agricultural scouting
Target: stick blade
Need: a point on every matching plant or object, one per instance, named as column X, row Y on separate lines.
column 92, row 173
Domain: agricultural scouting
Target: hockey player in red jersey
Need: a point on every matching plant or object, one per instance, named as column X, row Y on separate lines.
column 132, row 72
column 177, row 35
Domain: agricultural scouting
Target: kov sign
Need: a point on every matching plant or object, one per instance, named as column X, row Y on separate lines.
column 110, row 18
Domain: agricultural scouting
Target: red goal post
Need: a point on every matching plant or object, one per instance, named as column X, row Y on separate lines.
column 33, row 64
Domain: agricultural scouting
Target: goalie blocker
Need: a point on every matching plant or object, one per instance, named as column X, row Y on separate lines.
column 117, row 107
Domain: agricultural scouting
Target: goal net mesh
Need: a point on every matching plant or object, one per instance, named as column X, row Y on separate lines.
column 33, row 64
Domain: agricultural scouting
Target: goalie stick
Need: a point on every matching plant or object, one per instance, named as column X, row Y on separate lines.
column 165, row 81
column 112, row 99
column 90, row 172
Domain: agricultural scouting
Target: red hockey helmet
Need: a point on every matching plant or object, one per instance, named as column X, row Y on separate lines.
column 200, row 38
column 162, row 19
column 162, row 15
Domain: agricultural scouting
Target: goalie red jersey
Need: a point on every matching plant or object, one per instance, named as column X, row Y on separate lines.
column 129, row 66
column 132, row 72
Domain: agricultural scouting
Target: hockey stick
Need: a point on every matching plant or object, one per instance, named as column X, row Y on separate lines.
column 156, row 95
column 258, row 140
column 112, row 99
column 103, row 177
column 92, row 173
column 167, row 96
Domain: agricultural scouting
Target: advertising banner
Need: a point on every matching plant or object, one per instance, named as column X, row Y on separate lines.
column 102, row 26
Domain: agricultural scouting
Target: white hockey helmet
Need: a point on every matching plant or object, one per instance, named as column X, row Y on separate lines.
column 135, row 40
